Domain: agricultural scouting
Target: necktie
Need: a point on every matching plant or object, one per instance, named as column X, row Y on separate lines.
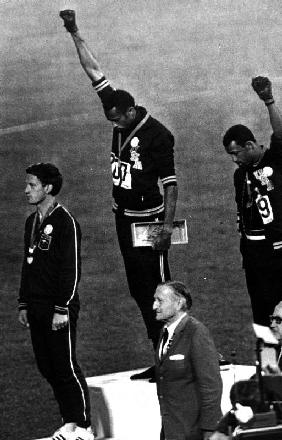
column 164, row 341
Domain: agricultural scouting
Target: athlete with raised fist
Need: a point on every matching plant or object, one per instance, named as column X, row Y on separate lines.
column 142, row 154
column 258, row 188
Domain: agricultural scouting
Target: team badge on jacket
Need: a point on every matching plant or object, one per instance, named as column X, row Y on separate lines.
column 134, row 155
column 263, row 176
column 45, row 239
column 44, row 242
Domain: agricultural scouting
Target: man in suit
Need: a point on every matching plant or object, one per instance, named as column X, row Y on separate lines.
column 276, row 328
column 187, row 369
column 276, row 322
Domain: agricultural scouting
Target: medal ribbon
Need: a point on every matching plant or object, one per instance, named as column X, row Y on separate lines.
column 32, row 236
column 249, row 191
column 279, row 357
column 36, row 221
column 122, row 147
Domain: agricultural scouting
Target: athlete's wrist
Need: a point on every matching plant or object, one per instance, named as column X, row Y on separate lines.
column 167, row 229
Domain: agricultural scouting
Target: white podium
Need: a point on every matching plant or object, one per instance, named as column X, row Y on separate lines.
column 122, row 409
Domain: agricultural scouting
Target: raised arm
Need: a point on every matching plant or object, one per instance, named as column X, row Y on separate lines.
column 87, row 59
column 263, row 87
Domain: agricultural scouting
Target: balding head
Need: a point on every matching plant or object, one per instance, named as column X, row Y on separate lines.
column 171, row 300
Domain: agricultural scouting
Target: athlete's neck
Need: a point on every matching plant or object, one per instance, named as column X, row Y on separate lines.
column 46, row 206
column 263, row 149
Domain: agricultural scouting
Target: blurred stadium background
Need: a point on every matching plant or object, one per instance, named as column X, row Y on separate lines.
column 190, row 63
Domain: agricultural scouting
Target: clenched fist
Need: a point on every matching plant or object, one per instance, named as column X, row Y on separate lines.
column 262, row 86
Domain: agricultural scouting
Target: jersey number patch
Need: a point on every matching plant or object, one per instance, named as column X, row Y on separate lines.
column 265, row 209
column 121, row 173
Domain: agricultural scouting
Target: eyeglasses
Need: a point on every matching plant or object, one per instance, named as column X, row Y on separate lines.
column 277, row 319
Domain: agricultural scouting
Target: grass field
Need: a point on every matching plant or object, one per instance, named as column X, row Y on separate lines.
column 190, row 63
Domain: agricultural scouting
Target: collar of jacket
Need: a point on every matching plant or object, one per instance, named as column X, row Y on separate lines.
column 189, row 321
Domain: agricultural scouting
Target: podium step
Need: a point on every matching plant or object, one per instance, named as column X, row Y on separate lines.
column 119, row 405
column 96, row 438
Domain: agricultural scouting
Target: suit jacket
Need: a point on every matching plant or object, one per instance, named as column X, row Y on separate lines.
column 189, row 384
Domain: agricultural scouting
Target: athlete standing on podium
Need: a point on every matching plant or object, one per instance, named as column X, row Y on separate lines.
column 142, row 153
column 258, row 193
column 49, row 300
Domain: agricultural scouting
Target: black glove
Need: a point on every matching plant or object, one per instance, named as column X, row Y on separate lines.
column 68, row 16
column 162, row 241
column 262, row 86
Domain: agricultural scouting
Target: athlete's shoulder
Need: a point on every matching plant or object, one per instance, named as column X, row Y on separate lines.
column 158, row 126
column 274, row 152
column 161, row 136
column 64, row 214
column 275, row 139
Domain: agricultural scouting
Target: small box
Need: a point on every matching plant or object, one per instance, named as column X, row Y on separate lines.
column 143, row 233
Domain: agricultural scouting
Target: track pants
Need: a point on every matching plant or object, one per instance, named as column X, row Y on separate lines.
column 264, row 286
column 56, row 359
column 145, row 269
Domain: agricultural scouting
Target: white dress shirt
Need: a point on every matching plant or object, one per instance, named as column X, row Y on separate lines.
column 171, row 329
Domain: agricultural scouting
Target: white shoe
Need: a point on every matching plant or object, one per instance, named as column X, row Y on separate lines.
column 66, row 432
column 84, row 433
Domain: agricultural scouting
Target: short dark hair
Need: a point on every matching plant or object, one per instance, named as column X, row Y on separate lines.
column 238, row 133
column 48, row 174
column 180, row 289
column 120, row 99
column 247, row 393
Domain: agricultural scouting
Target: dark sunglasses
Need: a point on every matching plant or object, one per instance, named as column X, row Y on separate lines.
column 277, row 319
